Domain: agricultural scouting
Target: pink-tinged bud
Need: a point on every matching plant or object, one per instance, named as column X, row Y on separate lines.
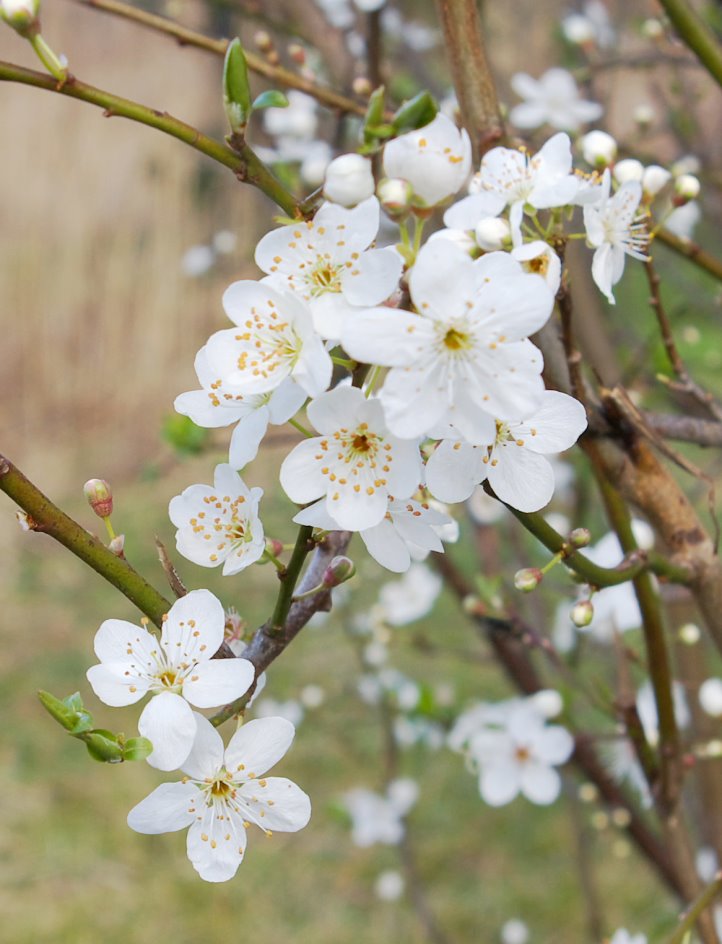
column 580, row 537
column 274, row 546
column 338, row 571
column 582, row 614
column 395, row 196
column 263, row 41
column 528, row 579
column 362, row 86
column 100, row 497
column 686, row 188
column 297, row 53
column 117, row 545
column 25, row 521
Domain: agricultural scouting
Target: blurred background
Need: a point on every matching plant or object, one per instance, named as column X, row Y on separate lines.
column 116, row 245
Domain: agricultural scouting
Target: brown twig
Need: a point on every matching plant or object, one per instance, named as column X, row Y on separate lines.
column 692, row 251
column 172, row 575
column 705, row 433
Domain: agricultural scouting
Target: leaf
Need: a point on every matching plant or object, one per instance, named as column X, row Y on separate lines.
column 236, row 88
column 271, row 98
column 416, row 113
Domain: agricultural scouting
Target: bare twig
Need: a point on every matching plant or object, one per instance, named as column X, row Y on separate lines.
column 172, row 575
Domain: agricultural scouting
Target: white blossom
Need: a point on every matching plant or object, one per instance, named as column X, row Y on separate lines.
column 219, row 525
column 710, row 696
column 682, row 220
column 552, row 99
column 376, row 818
column 615, row 228
column 413, row 596
column 390, row 884
column 355, row 464
column 513, row 460
column 436, row 159
column 539, row 258
column 223, row 792
column 197, row 260
column 327, row 263
column 465, row 358
column 178, row 670
column 514, row 931
column 219, row 403
column 274, row 339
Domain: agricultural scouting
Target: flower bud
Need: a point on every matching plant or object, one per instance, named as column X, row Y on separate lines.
column 117, row 545
column 362, row 86
column 643, row 115
column 654, row 179
column 100, row 497
column 528, row 579
column 599, row 149
column 652, row 28
column 710, row 697
column 236, row 89
column 582, row 614
column 21, row 15
column 548, row 702
column 580, row 537
column 460, row 237
column 338, row 571
column 103, row 746
column 629, row 169
column 274, row 546
column 297, row 53
column 493, row 233
column 578, row 30
column 689, row 634
column 263, row 41
column 349, row 180
column 686, row 187
column 395, row 195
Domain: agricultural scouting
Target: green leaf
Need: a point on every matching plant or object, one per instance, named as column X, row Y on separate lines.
column 137, row 748
column 271, row 98
column 103, row 746
column 236, row 88
column 69, row 712
column 374, row 114
column 416, row 113
column 183, row 434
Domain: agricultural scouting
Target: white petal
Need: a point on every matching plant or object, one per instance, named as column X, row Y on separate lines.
column 289, row 809
column 373, row 277
column 215, row 847
column 387, row 547
column 443, row 298
column 553, row 745
column 206, row 756
column 121, row 641
column 499, row 783
column 301, row 476
column 522, row 479
column 170, row 807
column 387, row 336
column 286, row 401
column 258, row 745
column 454, row 469
column 539, row 783
column 116, row 684
column 334, row 409
column 169, row 724
column 247, row 437
column 556, row 426
column 218, row 682
column 468, row 212
column 356, row 511
column 603, row 266
column 194, row 629
column 317, row 516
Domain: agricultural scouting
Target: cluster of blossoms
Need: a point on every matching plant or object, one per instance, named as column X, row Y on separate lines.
column 415, row 370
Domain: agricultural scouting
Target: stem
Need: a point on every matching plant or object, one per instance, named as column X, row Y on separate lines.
column 188, row 37
column 301, row 428
column 699, row 905
column 48, row 58
column 473, row 81
column 48, row 518
column 244, row 163
column 290, row 578
column 691, row 251
column 696, row 35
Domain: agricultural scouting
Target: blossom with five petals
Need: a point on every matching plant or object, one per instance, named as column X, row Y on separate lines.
column 327, row 262
column 178, row 670
column 219, row 524
column 552, row 99
column 356, row 464
column 223, row 792
column 465, row 358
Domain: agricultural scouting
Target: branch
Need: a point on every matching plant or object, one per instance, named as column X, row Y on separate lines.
column 244, row 163
column 696, row 35
column 189, row 37
column 705, row 433
column 473, row 81
column 270, row 640
column 690, row 250
column 49, row 519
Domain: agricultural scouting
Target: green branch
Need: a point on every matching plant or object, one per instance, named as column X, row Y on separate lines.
column 289, row 579
column 243, row 162
column 48, row 518
column 696, row 35
column 592, row 573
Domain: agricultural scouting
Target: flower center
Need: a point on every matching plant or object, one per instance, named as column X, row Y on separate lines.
column 168, row 678
column 456, row 340
column 360, row 443
column 324, row 278
column 220, row 788
column 522, row 754
column 538, row 265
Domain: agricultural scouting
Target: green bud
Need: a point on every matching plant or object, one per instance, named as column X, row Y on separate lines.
column 103, row 746
column 580, row 537
column 271, row 98
column 236, row 90
column 21, row 15
column 416, row 113
column 528, row 579
column 137, row 748
column 582, row 614
column 69, row 712
column 338, row 571
column 99, row 496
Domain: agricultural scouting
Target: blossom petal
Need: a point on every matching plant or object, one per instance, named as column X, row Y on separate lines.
column 522, row 479
column 116, row 684
column 539, row 783
column 301, row 476
column 556, row 426
column 373, row 277
column 206, row 756
column 216, row 846
column 194, row 629
column 442, row 298
column 387, row 547
column 258, row 745
column 170, row 807
column 218, row 682
column 499, row 783
column 553, row 745
column 121, row 641
column 276, row 804
column 247, row 437
column 170, row 725
column 454, row 469
column 382, row 336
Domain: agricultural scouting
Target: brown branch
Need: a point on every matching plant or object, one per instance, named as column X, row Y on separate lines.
column 692, row 251
column 705, row 433
column 189, row 37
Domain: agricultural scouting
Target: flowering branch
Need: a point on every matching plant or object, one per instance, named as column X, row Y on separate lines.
column 48, row 518
column 244, row 163
column 694, row 32
column 271, row 639
column 189, row 37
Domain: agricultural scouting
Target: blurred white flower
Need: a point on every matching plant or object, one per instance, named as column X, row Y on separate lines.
column 710, row 697
column 376, row 818
column 514, row 931
column 290, row 709
column 197, row 261
column 390, row 884
column 413, row 596
column 682, row 220
column 552, row 99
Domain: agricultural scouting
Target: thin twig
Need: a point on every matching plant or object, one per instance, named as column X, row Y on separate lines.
column 705, row 433
column 189, row 37
column 692, row 251
column 696, row 35
column 172, row 575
